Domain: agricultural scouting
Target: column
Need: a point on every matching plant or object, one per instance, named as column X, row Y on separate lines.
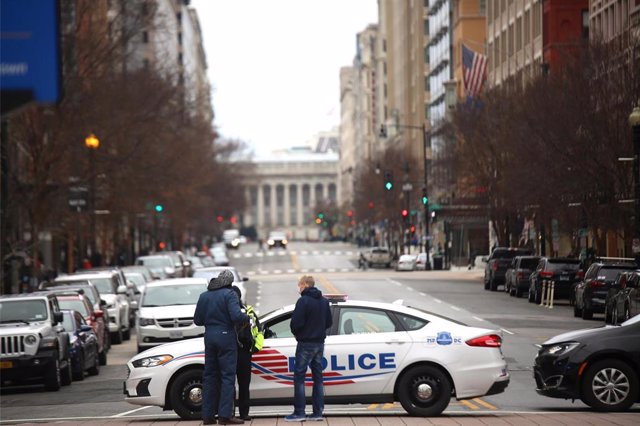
column 247, row 213
column 312, row 196
column 274, row 206
column 287, row 209
column 260, row 217
column 300, row 208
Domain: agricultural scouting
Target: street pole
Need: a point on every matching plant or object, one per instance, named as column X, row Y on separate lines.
column 634, row 122
column 425, row 143
column 92, row 143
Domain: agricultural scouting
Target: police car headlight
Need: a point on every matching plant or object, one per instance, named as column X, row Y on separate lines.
column 562, row 348
column 30, row 339
column 152, row 361
column 145, row 321
column 284, row 241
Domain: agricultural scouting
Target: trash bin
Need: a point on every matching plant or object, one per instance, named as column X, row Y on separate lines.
column 437, row 263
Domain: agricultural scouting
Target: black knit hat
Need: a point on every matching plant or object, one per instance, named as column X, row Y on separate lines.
column 224, row 279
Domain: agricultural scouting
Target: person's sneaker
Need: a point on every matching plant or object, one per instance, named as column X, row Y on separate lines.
column 295, row 418
column 315, row 418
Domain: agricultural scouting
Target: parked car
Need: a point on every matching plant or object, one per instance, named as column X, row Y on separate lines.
column 564, row 273
column 196, row 262
column 99, row 305
column 517, row 277
column 421, row 261
column 378, row 256
column 220, row 257
column 161, row 265
column 599, row 366
column 166, row 311
column 115, row 296
column 277, row 239
column 181, row 265
column 406, row 262
column 626, row 303
column 435, row 359
column 590, row 294
column 209, row 273
column 138, row 269
column 231, row 238
column 497, row 264
column 83, row 345
column 76, row 300
column 34, row 345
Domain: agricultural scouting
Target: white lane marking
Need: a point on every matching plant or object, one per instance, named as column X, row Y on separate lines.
column 248, row 255
column 477, row 318
column 315, row 252
column 345, row 270
column 327, row 252
column 259, row 254
column 507, row 331
column 270, row 253
column 293, row 252
column 318, row 270
column 349, row 253
column 422, row 294
column 251, row 273
column 437, row 300
column 331, row 270
column 290, row 271
column 455, row 308
column 409, row 288
column 399, row 284
column 282, row 253
column 262, row 271
column 277, row 271
column 126, row 413
column 304, row 252
column 304, row 270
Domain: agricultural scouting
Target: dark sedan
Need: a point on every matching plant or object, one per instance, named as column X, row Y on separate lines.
column 626, row 303
column 83, row 345
column 562, row 272
column 600, row 366
column 590, row 294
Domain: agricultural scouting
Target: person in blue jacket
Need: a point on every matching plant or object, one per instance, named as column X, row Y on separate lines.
column 219, row 311
column 309, row 323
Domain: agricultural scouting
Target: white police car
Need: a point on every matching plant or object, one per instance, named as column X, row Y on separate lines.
column 374, row 352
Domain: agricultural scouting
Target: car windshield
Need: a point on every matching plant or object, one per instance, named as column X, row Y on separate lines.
column 212, row 273
column 168, row 295
column 563, row 265
column 155, row 262
column 73, row 304
column 137, row 279
column 23, row 311
column 67, row 321
column 528, row 263
column 610, row 274
column 104, row 285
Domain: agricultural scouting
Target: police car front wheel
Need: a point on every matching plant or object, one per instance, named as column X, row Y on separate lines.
column 186, row 394
column 424, row 391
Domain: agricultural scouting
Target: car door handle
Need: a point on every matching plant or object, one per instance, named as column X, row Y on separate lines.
column 395, row 342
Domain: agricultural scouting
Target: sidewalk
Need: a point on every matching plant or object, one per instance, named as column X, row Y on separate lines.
column 475, row 419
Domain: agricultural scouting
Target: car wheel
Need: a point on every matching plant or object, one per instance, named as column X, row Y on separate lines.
column 610, row 385
column 102, row 357
column 52, row 377
column 424, row 391
column 116, row 337
column 95, row 370
column 185, row 394
column 66, row 374
column 78, row 375
column 126, row 335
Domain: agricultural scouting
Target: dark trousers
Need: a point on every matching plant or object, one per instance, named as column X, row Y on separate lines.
column 243, row 373
column 219, row 376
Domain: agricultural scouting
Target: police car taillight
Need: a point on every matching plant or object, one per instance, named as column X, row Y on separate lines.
column 335, row 298
column 488, row 341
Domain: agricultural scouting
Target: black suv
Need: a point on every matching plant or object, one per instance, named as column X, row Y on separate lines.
column 33, row 340
column 590, row 294
column 498, row 263
column 562, row 272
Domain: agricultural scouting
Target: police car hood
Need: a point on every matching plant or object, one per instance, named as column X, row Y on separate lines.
column 172, row 311
column 175, row 349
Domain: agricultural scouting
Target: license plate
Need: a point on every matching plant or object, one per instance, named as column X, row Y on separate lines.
column 175, row 334
column 6, row 364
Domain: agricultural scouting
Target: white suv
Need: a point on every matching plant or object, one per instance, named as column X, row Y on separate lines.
column 166, row 310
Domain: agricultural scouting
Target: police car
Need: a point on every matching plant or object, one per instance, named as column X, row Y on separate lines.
column 374, row 353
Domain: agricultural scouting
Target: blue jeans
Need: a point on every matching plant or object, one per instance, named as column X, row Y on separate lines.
column 219, row 376
column 308, row 355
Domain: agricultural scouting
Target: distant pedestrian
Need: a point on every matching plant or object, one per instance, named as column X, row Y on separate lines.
column 219, row 311
column 309, row 323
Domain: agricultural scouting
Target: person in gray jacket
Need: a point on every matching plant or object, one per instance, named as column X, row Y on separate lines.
column 219, row 311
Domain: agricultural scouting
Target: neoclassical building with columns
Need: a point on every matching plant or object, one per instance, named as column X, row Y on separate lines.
column 284, row 189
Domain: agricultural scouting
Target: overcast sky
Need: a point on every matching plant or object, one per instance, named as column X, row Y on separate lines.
column 274, row 65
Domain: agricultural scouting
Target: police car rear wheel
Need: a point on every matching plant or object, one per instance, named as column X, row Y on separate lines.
column 424, row 391
column 186, row 395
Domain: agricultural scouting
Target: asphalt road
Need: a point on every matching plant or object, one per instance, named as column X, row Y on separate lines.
column 457, row 294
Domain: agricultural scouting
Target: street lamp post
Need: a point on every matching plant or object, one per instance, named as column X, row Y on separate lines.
column 634, row 122
column 92, row 143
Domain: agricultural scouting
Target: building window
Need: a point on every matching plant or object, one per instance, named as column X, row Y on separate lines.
column 519, row 33
column 426, row 55
column 332, row 192
column 319, row 193
column 585, row 23
column 483, row 8
column 426, row 27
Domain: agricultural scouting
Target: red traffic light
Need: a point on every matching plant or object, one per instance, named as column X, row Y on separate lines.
column 161, row 245
column 350, row 213
column 233, row 219
column 405, row 212
column 412, row 229
column 219, row 219
column 371, row 204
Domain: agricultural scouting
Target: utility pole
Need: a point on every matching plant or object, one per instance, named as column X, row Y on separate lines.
column 634, row 122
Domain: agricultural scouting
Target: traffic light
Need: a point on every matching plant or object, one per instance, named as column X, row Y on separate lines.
column 159, row 208
column 350, row 213
column 233, row 219
column 425, row 198
column 412, row 229
column 388, row 180
column 321, row 215
column 162, row 245
column 405, row 213
column 219, row 219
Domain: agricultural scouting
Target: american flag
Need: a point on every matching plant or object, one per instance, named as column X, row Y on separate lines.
column 474, row 67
